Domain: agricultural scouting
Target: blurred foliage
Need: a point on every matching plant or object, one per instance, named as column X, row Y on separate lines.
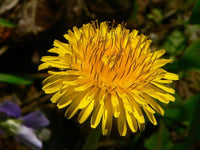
column 186, row 116
column 160, row 140
column 34, row 24
column 194, row 19
column 13, row 79
column 156, row 15
column 190, row 59
column 175, row 43
column 6, row 23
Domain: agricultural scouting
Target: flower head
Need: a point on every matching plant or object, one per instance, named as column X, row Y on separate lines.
column 108, row 72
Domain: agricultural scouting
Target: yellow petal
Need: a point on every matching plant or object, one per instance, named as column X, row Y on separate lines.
column 89, row 96
column 67, row 73
column 159, row 94
column 116, row 111
column 136, row 111
column 50, row 58
column 101, row 93
column 138, row 99
column 114, row 99
column 163, row 97
column 71, row 38
column 84, row 114
column 131, row 121
column 103, row 28
column 121, row 122
column 150, row 116
column 50, row 79
column 164, row 87
column 56, row 96
column 63, row 46
column 141, row 126
column 73, row 108
column 147, row 107
column 124, row 98
column 56, row 64
column 159, row 53
column 83, row 87
column 107, row 118
column 146, row 47
column 66, row 99
column 43, row 66
column 171, row 76
column 96, row 115
column 69, row 83
column 162, row 81
column 154, row 104
column 52, row 87
column 133, row 34
column 63, row 104
column 77, row 33
column 161, row 62
column 57, row 51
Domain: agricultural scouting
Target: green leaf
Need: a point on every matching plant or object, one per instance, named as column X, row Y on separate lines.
column 194, row 18
column 6, row 23
column 173, row 113
column 174, row 110
column 175, row 42
column 192, row 106
column 160, row 140
column 173, row 66
column 179, row 146
column 156, row 15
column 92, row 139
column 191, row 112
column 190, row 59
column 7, row 78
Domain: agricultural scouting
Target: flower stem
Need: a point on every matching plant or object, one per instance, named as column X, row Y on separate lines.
column 92, row 140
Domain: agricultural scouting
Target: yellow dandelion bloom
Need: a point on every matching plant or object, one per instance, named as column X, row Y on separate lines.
column 108, row 73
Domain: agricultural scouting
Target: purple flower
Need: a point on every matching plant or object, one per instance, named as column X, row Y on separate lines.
column 22, row 126
column 10, row 109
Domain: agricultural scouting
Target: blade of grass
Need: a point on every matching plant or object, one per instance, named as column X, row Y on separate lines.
column 7, row 78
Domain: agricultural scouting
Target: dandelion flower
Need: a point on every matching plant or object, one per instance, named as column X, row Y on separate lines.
column 108, row 74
